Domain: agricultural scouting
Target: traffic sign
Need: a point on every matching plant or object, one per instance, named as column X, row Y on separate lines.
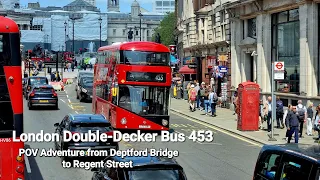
column 278, row 70
column 279, row 66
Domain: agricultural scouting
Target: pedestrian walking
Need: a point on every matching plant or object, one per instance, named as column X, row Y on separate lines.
column 201, row 94
column 261, row 116
column 206, row 102
column 213, row 99
column 309, row 119
column 292, row 124
column 302, row 112
column 279, row 113
column 268, row 112
column 192, row 98
column 197, row 88
column 235, row 98
column 72, row 66
column 286, row 112
column 317, row 122
column 53, row 78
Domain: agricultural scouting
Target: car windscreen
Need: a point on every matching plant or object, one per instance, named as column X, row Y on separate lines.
column 85, row 75
column 154, row 174
column 85, row 80
column 34, row 81
column 43, row 89
column 102, row 127
column 88, row 84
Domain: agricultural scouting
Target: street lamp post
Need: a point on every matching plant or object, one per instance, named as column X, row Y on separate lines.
column 73, row 21
column 140, row 15
column 100, row 21
column 65, row 35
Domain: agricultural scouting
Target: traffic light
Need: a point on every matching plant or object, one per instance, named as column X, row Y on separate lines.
column 173, row 49
column 130, row 34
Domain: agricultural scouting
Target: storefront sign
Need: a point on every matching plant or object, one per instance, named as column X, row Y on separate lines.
column 211, row 61
column 146, row 77
column 192, row 66
column 189, row 60
column 223, row 69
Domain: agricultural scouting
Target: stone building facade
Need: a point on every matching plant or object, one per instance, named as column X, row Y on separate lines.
column 266, row 31
column 203, row 40
column 119, row 24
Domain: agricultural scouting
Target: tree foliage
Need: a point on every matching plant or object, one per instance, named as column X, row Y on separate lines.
column 166, row 29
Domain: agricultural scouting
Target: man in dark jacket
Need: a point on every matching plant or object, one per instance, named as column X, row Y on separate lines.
column 292, row 123
column 279, row 113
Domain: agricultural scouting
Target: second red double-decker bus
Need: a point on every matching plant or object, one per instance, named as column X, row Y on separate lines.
column 11, row 102
column 132, row 84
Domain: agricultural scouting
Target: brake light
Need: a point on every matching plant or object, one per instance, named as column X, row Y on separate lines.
column 54, row 93
column 32, row 94
column 110, row 133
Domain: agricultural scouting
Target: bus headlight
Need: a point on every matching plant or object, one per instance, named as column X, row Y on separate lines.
column 123, row 121
column 19, row 159
column 164, row 122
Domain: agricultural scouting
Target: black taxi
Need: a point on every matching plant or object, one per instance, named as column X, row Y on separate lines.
column 144, row 168
column 288, row 162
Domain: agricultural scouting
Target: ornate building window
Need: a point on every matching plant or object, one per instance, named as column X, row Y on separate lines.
column 252, row 28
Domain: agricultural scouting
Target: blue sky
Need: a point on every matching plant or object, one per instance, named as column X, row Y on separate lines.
column 125, row 5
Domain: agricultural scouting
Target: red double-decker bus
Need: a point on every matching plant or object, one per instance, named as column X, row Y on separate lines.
column 11, row 102
column 132, row 85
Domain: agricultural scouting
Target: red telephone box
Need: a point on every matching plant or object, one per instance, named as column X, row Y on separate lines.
column 248, row 103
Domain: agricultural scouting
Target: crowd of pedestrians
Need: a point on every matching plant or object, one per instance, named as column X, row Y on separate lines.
column 294, row 118
column 202, row 97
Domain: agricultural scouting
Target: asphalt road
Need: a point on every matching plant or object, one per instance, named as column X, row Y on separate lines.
column 224, row 159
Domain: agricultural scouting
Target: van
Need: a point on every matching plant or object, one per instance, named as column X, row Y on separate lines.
column 288, row 162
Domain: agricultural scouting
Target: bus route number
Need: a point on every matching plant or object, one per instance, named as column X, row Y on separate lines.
column 159, row 77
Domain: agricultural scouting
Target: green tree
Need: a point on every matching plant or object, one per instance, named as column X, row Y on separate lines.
column 166, row 29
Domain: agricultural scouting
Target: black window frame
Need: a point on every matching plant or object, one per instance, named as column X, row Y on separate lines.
column 264, row 156
column 167, row 63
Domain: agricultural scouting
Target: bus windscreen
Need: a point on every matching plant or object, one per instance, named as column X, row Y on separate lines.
column 145, row 58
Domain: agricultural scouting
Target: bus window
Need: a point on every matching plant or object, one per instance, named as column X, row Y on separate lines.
column 294, row 167
column 145, row 58
column 267, row 166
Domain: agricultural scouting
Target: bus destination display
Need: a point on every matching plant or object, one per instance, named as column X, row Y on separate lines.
column 146, row 77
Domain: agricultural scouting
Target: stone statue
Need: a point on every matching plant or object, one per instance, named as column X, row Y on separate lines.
column 114, row 2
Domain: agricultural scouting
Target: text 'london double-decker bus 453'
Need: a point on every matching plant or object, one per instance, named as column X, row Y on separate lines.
column 132, row 85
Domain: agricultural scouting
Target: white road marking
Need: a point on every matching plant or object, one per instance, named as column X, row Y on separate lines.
column 69, row 100
column 27, row 164
column 66, row 91
column 67, row 96
column 76, row 112
column 62, row 100
column 70, row 106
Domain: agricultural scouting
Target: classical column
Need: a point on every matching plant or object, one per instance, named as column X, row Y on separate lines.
column 236, row 36
column 264, row 51
column 308, row 16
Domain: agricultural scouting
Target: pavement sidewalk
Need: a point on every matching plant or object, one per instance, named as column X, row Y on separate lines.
column 226, row 121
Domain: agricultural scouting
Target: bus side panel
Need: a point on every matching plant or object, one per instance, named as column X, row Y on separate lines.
column 15, row 164
column 105, row 108
column 6, row 160
column 15, row 87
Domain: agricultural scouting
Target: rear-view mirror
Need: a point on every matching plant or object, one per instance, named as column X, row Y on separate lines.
column 56, row 124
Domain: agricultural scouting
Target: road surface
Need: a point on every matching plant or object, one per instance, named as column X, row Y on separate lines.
column 224, row 159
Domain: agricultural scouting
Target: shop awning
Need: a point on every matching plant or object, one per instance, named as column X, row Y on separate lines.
column 186, row 70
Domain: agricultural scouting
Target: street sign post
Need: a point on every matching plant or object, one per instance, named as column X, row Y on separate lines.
column 277, row 74
column 278, row 70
